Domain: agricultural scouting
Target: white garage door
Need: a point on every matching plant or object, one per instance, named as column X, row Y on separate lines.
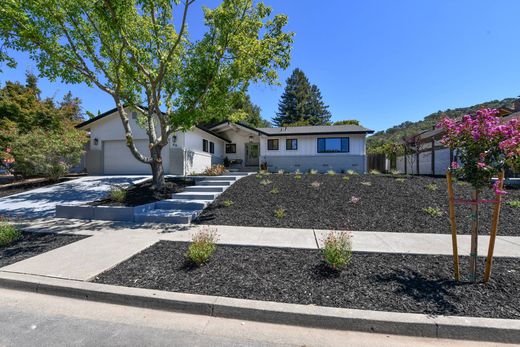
column 118, row 160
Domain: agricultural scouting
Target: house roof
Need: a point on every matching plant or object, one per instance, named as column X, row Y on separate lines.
column 316, row 130
column 109, row 112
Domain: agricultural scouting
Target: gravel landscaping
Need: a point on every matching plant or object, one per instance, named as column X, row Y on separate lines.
column 143, row 193
column 383, row 282
column 32, row 244
column 363, row 202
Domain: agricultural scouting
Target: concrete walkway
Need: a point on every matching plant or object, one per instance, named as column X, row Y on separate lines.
column 111, row 243
column 41, row 202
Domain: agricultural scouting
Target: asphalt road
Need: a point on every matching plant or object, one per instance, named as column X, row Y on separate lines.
column 28, row 319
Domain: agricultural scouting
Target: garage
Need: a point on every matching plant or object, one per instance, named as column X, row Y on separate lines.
column 118, row 160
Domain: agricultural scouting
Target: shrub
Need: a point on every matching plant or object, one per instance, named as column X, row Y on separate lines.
column 432, row 187
column 203, row 246
column 346, row 178
column 351, row 172
column 264, row 173
column 281, row 172
column 395, row 172
column 366, row 183
column 117, row 194
column 315, row 184
column 265, row 182
column 463, row 183
column 331, row 172
column 433, row 211
column 400, row 179
column 274, row 191
column 214, row 170
column 227, row 162
column 227, row 203
column 259, row 176
column 375, row 172
column 8, row 234
column 313, row 171
column 514, row 203
column 337, row 249
column 298, row 176
column 280, row 212
column 297, row 172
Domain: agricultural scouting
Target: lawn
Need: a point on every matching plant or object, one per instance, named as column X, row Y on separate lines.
column 359, row 202
column 372, row 281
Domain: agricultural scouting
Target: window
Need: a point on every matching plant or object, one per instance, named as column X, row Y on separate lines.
column 272, row 145
column 231, row 148
column 211, row 147
column 291, row 144
column 333, row 145
column 205, row 145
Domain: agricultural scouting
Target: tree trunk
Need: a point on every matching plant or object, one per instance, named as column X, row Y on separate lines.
column 474, row 237
column 157, row 168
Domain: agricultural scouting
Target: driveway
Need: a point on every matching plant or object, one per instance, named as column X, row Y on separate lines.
column 41, row 202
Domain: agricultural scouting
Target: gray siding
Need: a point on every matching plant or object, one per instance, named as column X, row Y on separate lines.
column 304, row 163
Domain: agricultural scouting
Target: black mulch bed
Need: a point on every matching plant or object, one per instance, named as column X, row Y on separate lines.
column 388, row 204
column 23, row 186
column 382, row 282
column 143, row 193
column 32, row 244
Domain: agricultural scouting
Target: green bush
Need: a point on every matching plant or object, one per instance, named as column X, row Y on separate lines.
column 203, row 246
column 514, row 203
column 433, row 211
column 298, row 176
column 351, row 172
column 117, row 194
column 337, row 249
column 274, row 191
column 315, row 184
column 346, row 178
column 375, row 172
column 8, row 234
column 265, row 182
column 279, row 212
column 215, row 170
column 432, row 187
column 313, row 171
column 227, row 203
column 331, row 172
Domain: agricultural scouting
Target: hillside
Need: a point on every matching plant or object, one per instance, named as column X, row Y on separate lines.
column 409, row 128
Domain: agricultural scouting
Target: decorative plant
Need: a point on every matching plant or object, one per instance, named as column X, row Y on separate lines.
column 366, row 183
column 331, row 172
column 375, row 172
column 354, row 199
column 298, row 176
column 297, row 172
column 313, row 171
column 432, row 187
column 337, row 249
column 315, row 184
column 203, row 246
column 265, row 182
column 433, row 211
column 227, row 203
column 280, row 212
column 226, row 162
column 274, row 191
column 395, row 172
column 400, row 179
column 485, row 146
column 351, row 172
column 8, row 234
column 346, row 178
column 514, row 203
column 259, row 176
column 117, row 194
column 215, row 170
column 281, row 172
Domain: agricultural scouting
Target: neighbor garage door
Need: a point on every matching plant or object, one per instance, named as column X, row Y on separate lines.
column 118, row 160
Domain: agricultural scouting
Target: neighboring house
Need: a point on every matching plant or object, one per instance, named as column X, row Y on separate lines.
column 433, row 158
column 322, row 148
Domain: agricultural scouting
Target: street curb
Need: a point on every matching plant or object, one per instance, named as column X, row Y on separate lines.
column 410, row 324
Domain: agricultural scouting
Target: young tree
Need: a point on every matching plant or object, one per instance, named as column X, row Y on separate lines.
column 301, row 103
column 133, row 51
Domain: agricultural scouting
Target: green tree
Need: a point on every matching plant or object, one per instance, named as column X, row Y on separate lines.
column 347, row 122
column 301, row 103
column 250, row 113
column 133, row 51
column 37, row 137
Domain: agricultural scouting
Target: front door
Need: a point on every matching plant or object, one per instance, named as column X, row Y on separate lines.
column 252, row 153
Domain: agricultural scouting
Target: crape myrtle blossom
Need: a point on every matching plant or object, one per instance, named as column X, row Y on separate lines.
column 484, row 144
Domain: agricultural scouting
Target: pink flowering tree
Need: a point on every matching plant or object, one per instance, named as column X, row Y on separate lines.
column 485, row 146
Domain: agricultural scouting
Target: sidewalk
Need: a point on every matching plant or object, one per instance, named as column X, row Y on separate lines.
column 112, row 243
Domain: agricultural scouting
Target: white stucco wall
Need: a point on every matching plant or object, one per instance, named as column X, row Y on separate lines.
column 308, row 145
column 239, row 138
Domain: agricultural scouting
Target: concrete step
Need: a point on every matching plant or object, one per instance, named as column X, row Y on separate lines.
column 221, row 178
column 195, row 196
column 167, row 216
column 213, row 183
column 216, row 189
column 171, row 204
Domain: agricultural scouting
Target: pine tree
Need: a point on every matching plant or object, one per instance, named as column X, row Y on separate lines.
column 301, row 103
column 252, row 111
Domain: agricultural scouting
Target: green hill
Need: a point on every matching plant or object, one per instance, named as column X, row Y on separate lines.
column 409, row 128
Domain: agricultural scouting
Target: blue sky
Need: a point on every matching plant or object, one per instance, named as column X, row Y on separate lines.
column 382, row 62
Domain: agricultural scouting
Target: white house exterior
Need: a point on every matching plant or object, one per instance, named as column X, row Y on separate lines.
column 322, row 148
